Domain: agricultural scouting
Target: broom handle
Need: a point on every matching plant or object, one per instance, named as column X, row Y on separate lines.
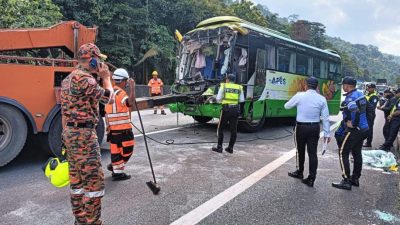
column 145, row 142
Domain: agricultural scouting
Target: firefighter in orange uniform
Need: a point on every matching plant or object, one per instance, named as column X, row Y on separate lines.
column 156, row 89
column 119, row 126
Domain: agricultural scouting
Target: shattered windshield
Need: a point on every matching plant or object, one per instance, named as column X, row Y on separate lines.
column 206, row 55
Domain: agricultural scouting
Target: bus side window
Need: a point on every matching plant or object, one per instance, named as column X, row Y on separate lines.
column 261, row 69
column 240, row 64
column 270, row 57
column 334, row 71
column 324, row 69
column 286, row 60
column 303, row 64
column 316, row 67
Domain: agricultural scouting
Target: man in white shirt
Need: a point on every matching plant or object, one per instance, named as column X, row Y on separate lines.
column 311, row 108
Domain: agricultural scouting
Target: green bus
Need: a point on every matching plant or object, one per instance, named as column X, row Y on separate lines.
column 270, row 65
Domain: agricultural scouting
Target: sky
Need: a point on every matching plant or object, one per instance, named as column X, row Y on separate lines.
column 375, row 22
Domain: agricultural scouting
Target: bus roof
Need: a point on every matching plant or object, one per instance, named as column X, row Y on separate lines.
column 220, row 21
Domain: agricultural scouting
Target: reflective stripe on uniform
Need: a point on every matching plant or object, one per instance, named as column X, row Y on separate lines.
column 341, row 153
column 94, row 194
column 113, row 115
column 119, row 122
column 79, row 191
column 124, row 99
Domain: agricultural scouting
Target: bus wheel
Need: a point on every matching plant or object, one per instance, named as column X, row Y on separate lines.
column 13, row 133
column 202, row 119
column 52, row 140
column 251, row 126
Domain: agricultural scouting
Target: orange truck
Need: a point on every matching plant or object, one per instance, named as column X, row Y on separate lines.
column 33, row 62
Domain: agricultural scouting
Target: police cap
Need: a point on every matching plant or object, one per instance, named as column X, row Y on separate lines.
column 371, row 85
column 231, row 77
column 349, row 81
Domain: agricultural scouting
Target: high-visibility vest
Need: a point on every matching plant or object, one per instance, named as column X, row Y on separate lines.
column 231, row 93
column 395, row 107
column 155, row 85
column 118, row 114
column 369, row 95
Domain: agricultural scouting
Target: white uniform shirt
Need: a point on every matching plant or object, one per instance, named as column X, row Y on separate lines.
column 311, row 108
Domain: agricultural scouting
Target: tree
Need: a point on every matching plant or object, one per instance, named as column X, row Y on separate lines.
column 248, row 11
column 28, row 13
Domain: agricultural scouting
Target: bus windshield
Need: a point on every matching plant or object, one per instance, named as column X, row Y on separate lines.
column 206, row 55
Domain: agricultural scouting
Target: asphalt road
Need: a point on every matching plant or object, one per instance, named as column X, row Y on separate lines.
column 193, row 177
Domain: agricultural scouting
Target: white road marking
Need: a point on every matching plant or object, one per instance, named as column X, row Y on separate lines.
column 160, row 131
column 204, row 210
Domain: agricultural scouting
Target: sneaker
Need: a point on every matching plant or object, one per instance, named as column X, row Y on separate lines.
column 345, row 184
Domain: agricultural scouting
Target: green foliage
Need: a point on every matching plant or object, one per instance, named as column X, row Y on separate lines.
column 28, row 13
column 247, row 11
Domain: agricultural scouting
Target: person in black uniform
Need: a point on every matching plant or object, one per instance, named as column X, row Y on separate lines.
column 386, row 105
column 373, row 99
column 229, row 95
column 394, row 123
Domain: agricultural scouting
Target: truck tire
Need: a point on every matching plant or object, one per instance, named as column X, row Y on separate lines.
column 252, row 126
column 202, row 119
column 13, row 133
column 52, row 140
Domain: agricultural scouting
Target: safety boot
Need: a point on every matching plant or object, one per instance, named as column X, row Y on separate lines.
column 110, row 168
column 217, row 149
column 163, row 112
column 344, row 184
column 155, row 111
column 120, row 176
column 309, row 181
column 296, row 174
column 367, row 145
column 229, row 149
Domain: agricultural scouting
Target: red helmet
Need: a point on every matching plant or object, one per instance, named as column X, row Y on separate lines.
column 90, row 50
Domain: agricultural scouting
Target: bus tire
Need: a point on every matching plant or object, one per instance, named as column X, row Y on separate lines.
column 13, row 133
column 202, row 119
column 51, row 142
column 251, row 127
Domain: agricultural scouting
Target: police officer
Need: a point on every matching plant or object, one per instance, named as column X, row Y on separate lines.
column 386, row 106
column 394, row 123
column 373, row 99
column 356, row 130
column 80, row 98
column 311, row 106
column 229, row 95
column 119, row 126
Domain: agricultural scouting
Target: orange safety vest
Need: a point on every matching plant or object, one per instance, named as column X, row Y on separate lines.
column 118, row 114
column 155, row 85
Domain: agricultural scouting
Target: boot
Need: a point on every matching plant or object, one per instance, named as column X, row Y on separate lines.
column 296, row 174
column 229, row 149
column 217, row 149
column 344, row 184
column 354, row 181
column 110, row 168
column 163, row 112
column 367, row 145
column 309, row 181
column 155, row 111
column 120, row 176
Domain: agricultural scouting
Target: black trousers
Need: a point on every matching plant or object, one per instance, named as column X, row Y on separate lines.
column 394, row 126
column 352, row 143
column 370, row 134
column 386, row 130
column 231, row 115
column 307, row 136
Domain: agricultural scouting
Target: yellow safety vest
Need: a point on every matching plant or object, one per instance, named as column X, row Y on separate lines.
column 368, row 96
column 394, row 108
column 231, row 93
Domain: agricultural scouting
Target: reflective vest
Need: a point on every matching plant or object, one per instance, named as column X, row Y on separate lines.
column 231, row 93
column 368, row 96
column 155, row 85
column 395, row 107
column 118, row 113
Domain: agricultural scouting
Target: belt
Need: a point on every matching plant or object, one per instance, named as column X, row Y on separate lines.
column 117, row 132
column 81, row 125
column 230, row 106
column 308, row 123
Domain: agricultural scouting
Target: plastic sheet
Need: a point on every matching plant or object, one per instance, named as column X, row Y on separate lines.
column 378, row 158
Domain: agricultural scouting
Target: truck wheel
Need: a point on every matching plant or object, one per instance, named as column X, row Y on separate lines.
column 52, row 140
column 13, row 133
column 252, row 126
column 202, row 119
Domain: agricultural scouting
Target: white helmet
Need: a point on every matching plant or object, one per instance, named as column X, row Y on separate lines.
column 120, row 74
